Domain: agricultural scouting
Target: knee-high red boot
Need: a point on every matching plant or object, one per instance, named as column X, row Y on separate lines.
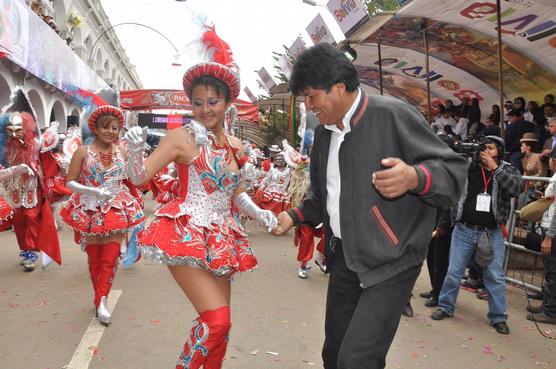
column 108, row 265
column 107, row 270
column 208, row 340
column 93, row 253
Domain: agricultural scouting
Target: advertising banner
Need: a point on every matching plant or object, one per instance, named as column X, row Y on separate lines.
column 347, row 13
column 177, row 100
column 297, row 47
column 250, row 94
column 47, row 56
column 319, row 31
column 162, row 121
column 404, row 76
column 267, row 79
column 527, row 26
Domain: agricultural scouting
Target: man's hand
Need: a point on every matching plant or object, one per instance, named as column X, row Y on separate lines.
column 488, row 161
column 546, row 246
column 285, row 222
column 396, row 180
column 546, row 152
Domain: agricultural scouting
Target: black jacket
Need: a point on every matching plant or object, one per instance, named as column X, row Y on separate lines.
column 383, row 237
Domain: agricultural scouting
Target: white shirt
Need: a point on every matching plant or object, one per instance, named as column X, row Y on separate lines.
column 333, row 180
column 440, row 122
column 461, row 128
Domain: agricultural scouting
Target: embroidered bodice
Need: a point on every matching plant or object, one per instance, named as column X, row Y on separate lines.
column 206, row 188
column 277, row 180
column 94, row 174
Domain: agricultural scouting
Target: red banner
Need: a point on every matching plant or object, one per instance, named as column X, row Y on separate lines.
column 177, row 100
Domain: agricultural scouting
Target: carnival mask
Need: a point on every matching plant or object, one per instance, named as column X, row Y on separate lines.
column 15, row 127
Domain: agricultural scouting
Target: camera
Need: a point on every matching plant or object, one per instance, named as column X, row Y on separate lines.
column 469, row 149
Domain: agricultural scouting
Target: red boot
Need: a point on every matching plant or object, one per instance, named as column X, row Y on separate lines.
column 107, row 268
column 207, row 341
column 93, row 252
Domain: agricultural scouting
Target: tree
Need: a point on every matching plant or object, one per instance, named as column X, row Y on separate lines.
column 377, row 6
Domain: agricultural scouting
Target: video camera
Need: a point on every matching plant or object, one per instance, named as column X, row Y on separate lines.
column 469, row 149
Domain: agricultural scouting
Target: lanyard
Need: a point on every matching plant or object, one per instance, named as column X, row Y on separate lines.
column 485, row 180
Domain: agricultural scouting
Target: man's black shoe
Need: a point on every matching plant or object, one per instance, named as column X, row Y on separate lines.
column 541, row 318
column 501, row 327
column 432, row 302
column 534, row 309
column 426, row 295
column 407, row 310
column 439, row 315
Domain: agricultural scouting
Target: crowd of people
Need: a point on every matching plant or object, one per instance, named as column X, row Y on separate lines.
column 526, row 148
column 372, row 159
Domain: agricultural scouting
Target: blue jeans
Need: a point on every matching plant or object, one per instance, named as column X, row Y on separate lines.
column 464, row 240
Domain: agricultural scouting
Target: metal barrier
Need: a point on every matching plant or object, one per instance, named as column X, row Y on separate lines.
column 510, row 245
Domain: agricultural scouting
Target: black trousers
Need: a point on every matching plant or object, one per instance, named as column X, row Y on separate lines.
column 361, row 323
column 438, row 258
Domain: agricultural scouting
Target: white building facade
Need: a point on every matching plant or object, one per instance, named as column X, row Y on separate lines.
column 90, row 50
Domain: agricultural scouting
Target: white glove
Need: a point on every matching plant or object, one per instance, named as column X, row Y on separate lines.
column 135, row 168
column 199, row 132
column 102, row 194
column 14, row 171
column 249, row 208
column 136, row 138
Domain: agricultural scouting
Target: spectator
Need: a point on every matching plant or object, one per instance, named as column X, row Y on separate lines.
column 464, row 107
column 549, row 111
column 531, row 161
column 515, row 130
column 495, row 116
column 444, row 119
column 449, row 104
column 490, row 128
column 519, row 105
column 550, row 142
column 548, row 100
column 546, row 312
column 479, row 217
column 461, row 127
column 474, row 116
column 508, row 106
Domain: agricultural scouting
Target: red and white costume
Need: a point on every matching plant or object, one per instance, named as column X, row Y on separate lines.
column 200, row 227
column 6, row 215
column 273, row 193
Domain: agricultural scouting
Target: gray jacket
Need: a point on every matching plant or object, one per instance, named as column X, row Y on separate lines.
column 383, row 237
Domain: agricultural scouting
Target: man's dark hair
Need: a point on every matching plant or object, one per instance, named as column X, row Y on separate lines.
column 320, row 67
column 515, row 113
column 220, row 87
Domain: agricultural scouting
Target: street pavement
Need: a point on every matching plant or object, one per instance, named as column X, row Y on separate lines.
column 46, row 319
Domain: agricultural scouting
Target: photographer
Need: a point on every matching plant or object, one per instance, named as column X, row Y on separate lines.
column 482, row 209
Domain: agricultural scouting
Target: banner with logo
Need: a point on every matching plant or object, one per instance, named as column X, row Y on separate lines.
column 528, row 26
column 347, row 13
column 319, row 31
column 297, row 47
column 177, row 100
column 250, row 94
column 29, row 42
column 267, row 79
column 473, row 51
column 404, row 76
column 285, row 65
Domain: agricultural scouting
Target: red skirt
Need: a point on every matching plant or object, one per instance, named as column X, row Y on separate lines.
column 220, row 249
column 6, row 215
column 273, row 201
column 118, row 215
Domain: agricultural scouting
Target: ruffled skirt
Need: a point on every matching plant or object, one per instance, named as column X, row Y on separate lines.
column 220, row 249
column 274, row 201
column 6, row 215
column 119, row 215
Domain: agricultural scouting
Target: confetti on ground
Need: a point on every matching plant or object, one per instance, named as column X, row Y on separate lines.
column 154, row 321
column 488, row 350
column 272, row 353
column 255, row 352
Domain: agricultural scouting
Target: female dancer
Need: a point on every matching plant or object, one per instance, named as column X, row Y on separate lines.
column 273, row 192
column 197, row 234
column 101, row 209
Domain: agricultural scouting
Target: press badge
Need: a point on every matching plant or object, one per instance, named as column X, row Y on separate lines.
column 483, row 202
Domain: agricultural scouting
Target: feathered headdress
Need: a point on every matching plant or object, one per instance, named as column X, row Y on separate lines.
column 221, row 64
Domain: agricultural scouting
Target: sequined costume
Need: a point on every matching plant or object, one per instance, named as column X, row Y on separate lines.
column 87, row 216
column 6, row 215
column 273, row 195
column 200, row 228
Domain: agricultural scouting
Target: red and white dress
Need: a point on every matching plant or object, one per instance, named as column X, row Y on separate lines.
column 273, row 193
column 6, row 215
column 87, row 216
column 200, row 228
